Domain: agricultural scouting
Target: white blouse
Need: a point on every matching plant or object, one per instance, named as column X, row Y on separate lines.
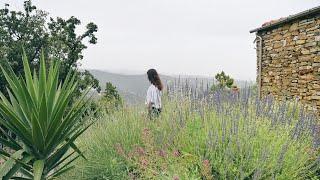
column 154, row 96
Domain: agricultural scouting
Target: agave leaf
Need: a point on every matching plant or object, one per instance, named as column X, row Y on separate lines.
column 9, row 164
column 62, row 102
column 62, row 132
column 28, row 76
column 36, row 85
column 11, row 140
column 21, row 178
column 68, row 80
column 37, row 135
column 79, row 104
column 20, row 92
column 8, row 126
column 79, row 132
column 42, row 76
column 76, row 149
column 70, row 124
column 50, row 75
column 4, row 99
column 69, row 142
column 16, row 110
column 56, row 156
column 76, row 113
column 13, row 123
column 19, row 110
column 17, row 89
column 38, row 167
column 19, row 163
column 4, row 153
column 43, row 117
column 52, row 92
column 9, row 144
column 8, row 78
column 72, row 129
column 61, row 171
column 57, row 125
column 26, row 173
column 22, row 163
column 31, row 103
column 57, row 163
column 65, row 167
column 54, row 132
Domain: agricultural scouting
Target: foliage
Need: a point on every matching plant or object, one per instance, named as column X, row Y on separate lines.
column 88, row 79
column 111, row 92
column 45, row 119
column 236, row 137
column 223, row 80
column 32, row 30
column 111, row 99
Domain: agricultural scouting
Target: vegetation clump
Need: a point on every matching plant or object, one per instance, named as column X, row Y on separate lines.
column 220, row 136
column 108, row 101
column 223, row 81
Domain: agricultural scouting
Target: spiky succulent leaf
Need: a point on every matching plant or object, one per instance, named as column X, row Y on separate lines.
column 42, row 113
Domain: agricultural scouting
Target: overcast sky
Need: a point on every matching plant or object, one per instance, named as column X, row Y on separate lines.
column 188, row 37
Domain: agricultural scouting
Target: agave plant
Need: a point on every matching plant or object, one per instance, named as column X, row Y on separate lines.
column 46, row 120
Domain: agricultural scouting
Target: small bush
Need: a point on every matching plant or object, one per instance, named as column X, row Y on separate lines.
column 111, row 100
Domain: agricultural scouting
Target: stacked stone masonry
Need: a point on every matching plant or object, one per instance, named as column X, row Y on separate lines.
column 291, row 61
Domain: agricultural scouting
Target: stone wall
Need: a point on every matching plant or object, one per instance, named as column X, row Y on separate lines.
column 291, row 61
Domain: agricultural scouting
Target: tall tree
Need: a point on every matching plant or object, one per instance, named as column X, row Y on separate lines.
column 32, row 30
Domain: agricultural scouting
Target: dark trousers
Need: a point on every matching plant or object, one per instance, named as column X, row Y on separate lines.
column 155, row 112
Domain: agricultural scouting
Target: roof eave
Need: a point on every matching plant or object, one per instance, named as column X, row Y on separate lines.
column 309, row 12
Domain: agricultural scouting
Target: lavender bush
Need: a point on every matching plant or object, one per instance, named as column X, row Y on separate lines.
column 205, row 135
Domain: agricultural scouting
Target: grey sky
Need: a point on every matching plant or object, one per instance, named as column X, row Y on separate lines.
column 194, row 37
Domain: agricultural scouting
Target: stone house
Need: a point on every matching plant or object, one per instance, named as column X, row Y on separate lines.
column 288, row 58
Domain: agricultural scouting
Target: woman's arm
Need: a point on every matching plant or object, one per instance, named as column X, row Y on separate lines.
column 149, row 102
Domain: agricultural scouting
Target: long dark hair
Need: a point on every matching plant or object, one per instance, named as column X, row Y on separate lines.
column 154, row 78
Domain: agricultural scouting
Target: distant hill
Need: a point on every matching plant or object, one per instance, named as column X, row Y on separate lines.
column 133, row 87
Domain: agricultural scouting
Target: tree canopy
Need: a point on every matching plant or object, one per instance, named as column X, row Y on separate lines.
column 224, row 81
column 111, row 99
column 111, row 93
column 34, row 31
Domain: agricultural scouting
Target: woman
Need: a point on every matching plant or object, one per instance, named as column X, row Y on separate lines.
column 153, row 99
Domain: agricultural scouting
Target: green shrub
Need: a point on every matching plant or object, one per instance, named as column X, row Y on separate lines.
column 111, row 100
column 223, row 81
column 46, row 121
column 222, row 137
column 100, row 144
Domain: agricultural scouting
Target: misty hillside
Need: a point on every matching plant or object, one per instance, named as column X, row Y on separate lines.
column 133, row 87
